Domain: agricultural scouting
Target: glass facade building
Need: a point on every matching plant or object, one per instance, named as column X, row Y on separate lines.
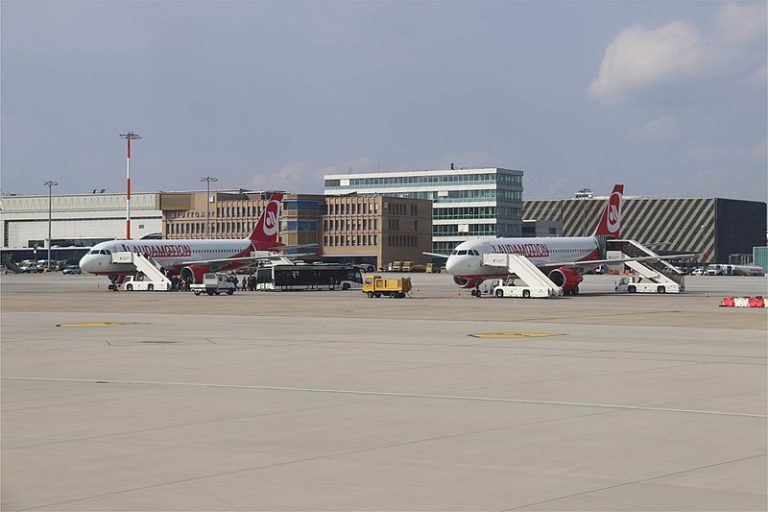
column 466, row 203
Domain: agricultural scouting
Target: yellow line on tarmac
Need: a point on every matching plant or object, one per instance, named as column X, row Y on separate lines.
column 512, row 334
column 97, row 324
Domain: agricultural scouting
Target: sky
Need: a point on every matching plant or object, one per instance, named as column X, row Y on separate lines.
column 668, row 98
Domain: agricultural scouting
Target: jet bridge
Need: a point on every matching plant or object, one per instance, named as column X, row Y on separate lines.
column 658, row 271
column 537, row 283
column 147, row 266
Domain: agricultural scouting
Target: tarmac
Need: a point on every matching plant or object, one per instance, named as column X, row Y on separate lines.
column 333, row 401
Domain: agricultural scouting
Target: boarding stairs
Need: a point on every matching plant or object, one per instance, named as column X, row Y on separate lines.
column 659, row 271
column 11, row 265
column 151, row 269
column 526, row 271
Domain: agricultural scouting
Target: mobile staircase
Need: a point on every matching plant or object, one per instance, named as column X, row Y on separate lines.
column 537, row 284
column 659, row 272
column 152, row 276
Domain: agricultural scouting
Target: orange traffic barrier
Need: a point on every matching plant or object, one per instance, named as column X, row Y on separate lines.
column 744, row 302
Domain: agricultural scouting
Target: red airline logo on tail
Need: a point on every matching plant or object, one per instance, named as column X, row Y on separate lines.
column 264, row 235
column 270, row 219
column 610, row 222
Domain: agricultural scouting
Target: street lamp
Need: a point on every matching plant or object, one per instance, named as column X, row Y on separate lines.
column 50, row 184
column 208, row 180
column 128, row 137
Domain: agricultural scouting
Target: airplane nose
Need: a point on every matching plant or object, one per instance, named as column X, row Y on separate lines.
column 450, row 265
column 86, row 263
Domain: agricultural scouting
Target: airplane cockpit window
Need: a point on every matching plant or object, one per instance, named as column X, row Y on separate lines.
column 94, row 251
column 462, row 253
column 473, row 253
column 454, row 253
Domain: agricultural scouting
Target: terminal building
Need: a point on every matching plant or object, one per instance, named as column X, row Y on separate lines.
column 715, row 228
column 372, row 229
column 376, row 228
column 467, row 204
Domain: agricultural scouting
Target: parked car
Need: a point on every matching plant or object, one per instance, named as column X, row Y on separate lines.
column 71, row 269
column 697, row 272
column 31, row 269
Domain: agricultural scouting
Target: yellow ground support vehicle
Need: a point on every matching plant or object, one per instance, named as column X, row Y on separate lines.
column 432, row 268
column 376, row 286
column 396, row 266
column 407, row 266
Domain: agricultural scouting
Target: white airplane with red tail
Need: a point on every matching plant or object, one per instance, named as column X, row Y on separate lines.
column 564, row 259
column 190, row 259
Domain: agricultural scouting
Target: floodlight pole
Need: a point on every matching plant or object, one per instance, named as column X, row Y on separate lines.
column 128, row 137
column 50, row 184
column 208, row 180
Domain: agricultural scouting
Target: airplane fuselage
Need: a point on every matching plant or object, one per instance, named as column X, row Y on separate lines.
column 171, row 254
column 466, row 260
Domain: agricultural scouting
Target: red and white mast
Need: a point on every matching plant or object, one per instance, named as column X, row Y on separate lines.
column 128, row 137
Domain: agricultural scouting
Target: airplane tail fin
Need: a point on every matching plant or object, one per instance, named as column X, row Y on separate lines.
column 610, row 221
column 264, row 235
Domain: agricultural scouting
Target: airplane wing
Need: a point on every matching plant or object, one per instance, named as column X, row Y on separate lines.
column 434, row 254
column 219, row 263
column 622, row 260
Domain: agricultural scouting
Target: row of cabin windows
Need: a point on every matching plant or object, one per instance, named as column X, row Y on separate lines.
column 473, row 252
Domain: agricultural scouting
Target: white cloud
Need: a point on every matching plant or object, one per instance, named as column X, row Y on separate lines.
column 292, row 177
column 298, row 177
column 640, row 58
column 666, row 127
column 742, row 22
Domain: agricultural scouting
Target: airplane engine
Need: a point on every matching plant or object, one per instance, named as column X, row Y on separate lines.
column 568, row 279
column 466, row 283
column 193, row 273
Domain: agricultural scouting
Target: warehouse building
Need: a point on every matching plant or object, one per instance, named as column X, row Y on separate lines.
column 715, row 228
column 25, row 218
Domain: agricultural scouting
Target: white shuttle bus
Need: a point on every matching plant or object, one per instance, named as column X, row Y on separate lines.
column 309, row 277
